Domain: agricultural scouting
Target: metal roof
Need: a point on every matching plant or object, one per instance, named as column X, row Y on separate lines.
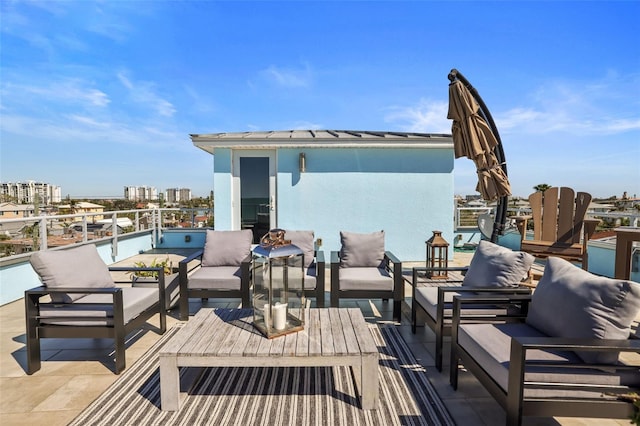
column 320, row 139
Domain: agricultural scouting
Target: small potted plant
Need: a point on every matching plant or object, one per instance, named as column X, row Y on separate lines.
column 150, row 279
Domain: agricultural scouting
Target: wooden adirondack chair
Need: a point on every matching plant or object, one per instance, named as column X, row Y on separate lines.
column 559, row 225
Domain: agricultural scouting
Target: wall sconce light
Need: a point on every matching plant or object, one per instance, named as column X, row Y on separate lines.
column 302, row 162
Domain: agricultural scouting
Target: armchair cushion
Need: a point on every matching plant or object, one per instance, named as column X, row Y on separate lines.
column 496, row 266
column 100, row 306
column 362, row 250
column 571, row 302
column 365, row 279
column 490, row 346
column 60, row 269
column 310, row 277
column 218, row 278
column 304, row 241
column 226, row 248
column 427, row 298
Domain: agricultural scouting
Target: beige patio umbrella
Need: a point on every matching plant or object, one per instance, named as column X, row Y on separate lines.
column 474, row 139
column 475, row 136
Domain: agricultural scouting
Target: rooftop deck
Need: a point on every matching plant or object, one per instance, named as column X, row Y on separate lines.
column 76, row 371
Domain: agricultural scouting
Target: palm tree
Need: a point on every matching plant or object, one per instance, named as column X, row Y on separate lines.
column 541, row 187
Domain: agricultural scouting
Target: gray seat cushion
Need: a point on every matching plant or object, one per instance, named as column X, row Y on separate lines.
column 99, row 306
column 226, row 248
column 490, row 345
column 310, row 277
column 216, row 278
column 496, row 266
column 78, row 267
column 571, row 302
column 365, row 279
column 427, row 298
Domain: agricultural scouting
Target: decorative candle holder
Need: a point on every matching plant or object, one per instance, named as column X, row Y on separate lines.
column 437, row 256
column 278, row 286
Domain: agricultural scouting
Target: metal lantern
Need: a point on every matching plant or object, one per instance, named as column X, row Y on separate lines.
column 437, row 256
column 278, row 286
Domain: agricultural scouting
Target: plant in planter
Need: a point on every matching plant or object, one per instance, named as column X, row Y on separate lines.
column 634, row 398
column 166, row 265
column 150, row 279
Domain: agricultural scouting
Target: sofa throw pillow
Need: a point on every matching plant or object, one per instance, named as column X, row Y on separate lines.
column 74, row 267
column 304, row 240
column 496, row 266
column 573, row 303
column 361, row 250
column 226, row 248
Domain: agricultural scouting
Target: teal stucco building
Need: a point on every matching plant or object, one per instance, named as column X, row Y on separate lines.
column 333, row 180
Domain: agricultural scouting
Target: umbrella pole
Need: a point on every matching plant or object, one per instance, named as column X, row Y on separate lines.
column 501, row 208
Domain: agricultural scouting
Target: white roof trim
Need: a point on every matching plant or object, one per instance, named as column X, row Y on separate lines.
column 320, row 139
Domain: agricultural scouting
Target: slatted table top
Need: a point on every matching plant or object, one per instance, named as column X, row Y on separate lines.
column 328, row 332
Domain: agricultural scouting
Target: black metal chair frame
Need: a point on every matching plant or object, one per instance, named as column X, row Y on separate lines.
column 441, row 324
column 513, row 400
column 391, row 263
column 318, row 292
column 204, row 293
column 38, row 329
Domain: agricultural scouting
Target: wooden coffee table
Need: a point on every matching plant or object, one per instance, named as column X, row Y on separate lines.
column 227, row 338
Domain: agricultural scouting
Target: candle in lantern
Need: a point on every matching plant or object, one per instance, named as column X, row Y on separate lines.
column 280, row 316
column 266, row 315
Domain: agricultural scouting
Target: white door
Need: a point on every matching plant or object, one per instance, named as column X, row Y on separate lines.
column 254, row 191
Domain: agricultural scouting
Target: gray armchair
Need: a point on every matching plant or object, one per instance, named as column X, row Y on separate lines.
column 565, row 354
column 493, row 269
column 221, row 269
column 79, row 299
column 363, row 269
column 314, row 277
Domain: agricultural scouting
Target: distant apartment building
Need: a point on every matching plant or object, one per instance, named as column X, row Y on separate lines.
column 140, row 193
column 175, row 195
column 31, row 192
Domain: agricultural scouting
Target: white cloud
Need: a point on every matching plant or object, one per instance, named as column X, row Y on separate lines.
column 144, row 93
column 70, row 91
column 604, row 107
column 426, row 117
column 306, row 125
column 289, row 77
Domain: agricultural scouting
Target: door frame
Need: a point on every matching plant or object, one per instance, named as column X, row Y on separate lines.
column 236, row 202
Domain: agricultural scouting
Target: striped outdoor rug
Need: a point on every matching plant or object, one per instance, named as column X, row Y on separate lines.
column 274, row 395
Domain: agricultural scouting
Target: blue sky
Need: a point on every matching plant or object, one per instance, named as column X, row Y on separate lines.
column 98, row 95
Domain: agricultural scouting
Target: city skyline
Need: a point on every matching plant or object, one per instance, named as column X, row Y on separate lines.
column 96, row 95
column 25, row 191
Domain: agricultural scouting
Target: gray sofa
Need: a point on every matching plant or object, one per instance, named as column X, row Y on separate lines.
column 79, row 299
column 364, row 269
column 221, row 269
column 493, row 270
column 571, row 355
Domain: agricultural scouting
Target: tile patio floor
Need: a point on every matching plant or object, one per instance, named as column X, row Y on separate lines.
column 75, row 371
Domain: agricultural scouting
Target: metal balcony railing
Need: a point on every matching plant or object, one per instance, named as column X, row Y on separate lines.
column 27, row 234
